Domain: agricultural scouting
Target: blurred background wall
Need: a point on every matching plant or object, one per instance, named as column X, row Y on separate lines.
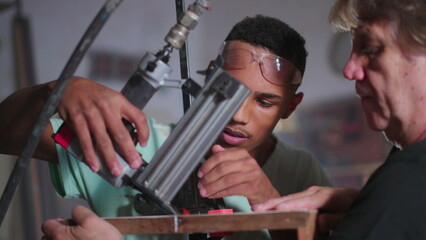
column 329, row 121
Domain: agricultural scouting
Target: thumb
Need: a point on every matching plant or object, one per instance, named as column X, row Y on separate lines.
column 217, row 148
column 80, row 214
column 53, row 227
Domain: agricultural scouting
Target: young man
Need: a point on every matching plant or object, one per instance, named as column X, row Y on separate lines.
column 248, row 164
column 388, row 64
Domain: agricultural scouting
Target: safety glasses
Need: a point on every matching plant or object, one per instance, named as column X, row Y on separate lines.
column 275, row 69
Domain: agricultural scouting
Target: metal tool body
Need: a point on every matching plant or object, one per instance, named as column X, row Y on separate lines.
column 194, row 134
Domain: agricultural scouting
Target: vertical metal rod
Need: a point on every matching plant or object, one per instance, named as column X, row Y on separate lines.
column 183, row 57
column 25, row 77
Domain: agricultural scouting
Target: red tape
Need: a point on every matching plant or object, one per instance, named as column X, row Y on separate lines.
column 64, row 136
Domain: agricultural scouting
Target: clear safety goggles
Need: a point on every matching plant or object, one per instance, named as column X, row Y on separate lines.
column 275, row 69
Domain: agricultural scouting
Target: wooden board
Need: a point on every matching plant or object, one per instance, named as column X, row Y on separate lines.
column 303, row 221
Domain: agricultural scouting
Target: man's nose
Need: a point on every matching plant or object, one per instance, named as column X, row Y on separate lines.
column 242, row 115
column 353, row 69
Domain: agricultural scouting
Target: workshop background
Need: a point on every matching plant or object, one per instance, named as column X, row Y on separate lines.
column 329, row 122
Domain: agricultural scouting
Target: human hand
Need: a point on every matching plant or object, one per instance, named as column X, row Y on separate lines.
column 95, row 112
column 88, row 226
column 234, row 171
column 332, row 203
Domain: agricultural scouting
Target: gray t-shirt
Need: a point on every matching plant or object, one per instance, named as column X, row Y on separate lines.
column 293, row 170
column 290, row 170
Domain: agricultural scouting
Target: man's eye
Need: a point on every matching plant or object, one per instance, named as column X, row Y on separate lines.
column 264, row 103
column 370, row 51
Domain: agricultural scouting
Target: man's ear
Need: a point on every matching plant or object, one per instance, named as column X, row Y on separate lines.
column 295, row 101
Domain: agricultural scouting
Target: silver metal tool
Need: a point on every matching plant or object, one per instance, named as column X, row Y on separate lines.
column 194, row 134
column 151, row 74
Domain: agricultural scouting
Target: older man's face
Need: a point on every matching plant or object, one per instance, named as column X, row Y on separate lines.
column 390, row 81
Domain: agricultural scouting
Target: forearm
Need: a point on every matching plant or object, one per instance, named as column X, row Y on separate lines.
column 18, row 114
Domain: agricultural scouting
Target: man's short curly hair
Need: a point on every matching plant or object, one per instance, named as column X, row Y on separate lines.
column 274, row 35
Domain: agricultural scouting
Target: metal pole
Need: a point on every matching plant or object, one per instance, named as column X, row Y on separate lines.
column 183, row 57
column 25, row 77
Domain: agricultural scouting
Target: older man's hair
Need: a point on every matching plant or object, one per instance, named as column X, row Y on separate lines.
column 406, row 18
